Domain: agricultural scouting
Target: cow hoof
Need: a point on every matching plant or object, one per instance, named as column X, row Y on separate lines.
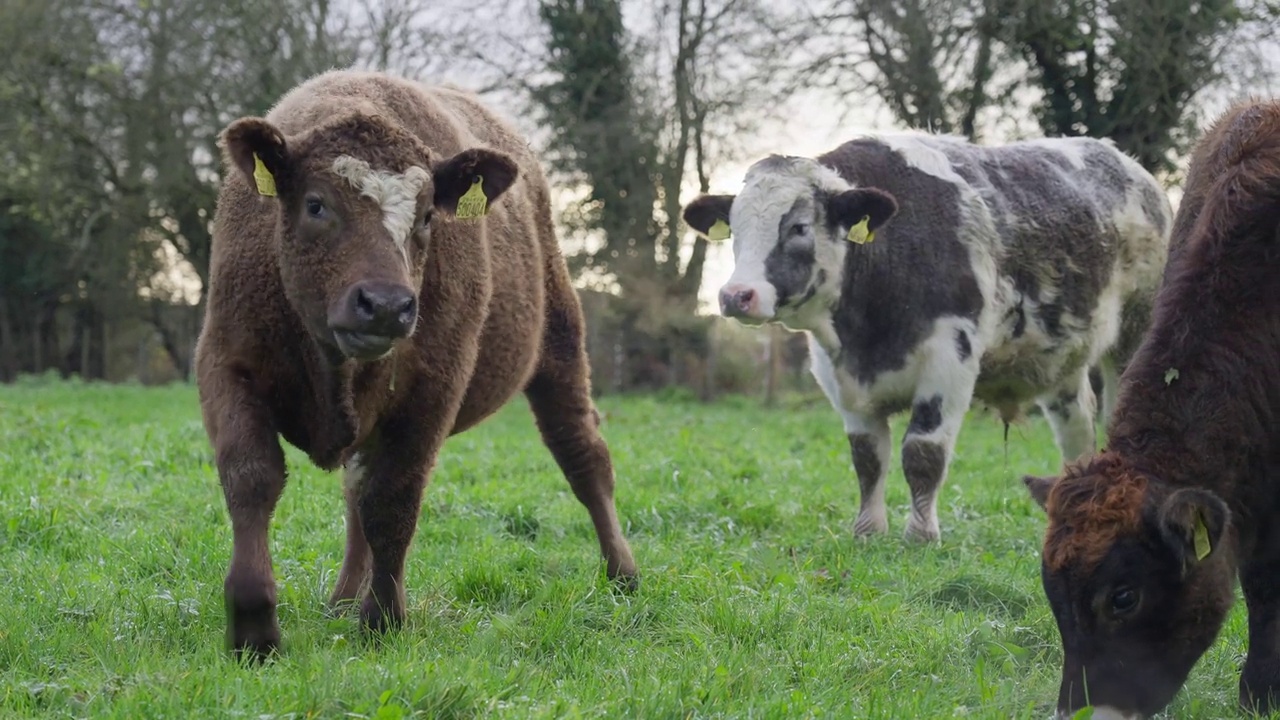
column 340, row 607
column 922, row 533
column 626, row 582
column 377, row 619
column 253, row 632
column 1260, row 688
column 869, row 524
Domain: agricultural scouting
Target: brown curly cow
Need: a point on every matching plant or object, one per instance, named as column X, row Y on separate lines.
column 384, row 275
column 1145, row 540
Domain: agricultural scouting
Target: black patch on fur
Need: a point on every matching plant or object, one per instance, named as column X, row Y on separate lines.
column 915, row 271
column 865, row 461
column 963, row 348
column 1062, row 404
column 1020, row 325
column 924, row 464
column 789, row 266
column 926, row 416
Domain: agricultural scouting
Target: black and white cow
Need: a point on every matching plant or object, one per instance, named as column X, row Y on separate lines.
column 928, row 270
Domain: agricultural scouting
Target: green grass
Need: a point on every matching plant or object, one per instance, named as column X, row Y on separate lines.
column 756, row 601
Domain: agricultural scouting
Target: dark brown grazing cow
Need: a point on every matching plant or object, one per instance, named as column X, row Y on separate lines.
column 1145, row 540
column 384, row 275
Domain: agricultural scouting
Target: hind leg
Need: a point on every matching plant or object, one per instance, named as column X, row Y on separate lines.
column 560, row 396
column 1070, row 412
column 941, row 399
column 1110, row 389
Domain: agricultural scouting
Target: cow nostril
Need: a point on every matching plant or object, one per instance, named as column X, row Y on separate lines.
column 744, row 299
column 366, row 307
column 405, row 310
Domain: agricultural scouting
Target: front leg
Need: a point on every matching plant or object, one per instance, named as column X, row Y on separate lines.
column 356, row 560
column 395, row 464
column 251, row 469
column 1260, row 678
column 869, row 444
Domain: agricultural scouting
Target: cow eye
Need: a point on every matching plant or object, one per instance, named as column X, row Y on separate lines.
column 315, row 207
column 426, row 217
column 1124, row 600
column 799, row 229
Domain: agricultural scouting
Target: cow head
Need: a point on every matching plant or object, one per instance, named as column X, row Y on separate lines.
column 791, row 229
column 356, row 197
column 1139, row 577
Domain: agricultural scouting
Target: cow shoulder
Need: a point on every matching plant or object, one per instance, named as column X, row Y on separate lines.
column 918, row 269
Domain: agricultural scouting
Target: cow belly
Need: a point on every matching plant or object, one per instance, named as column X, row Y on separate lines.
column 508, row 355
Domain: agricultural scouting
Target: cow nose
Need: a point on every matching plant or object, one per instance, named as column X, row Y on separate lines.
column 737, row 301
column 383, row 309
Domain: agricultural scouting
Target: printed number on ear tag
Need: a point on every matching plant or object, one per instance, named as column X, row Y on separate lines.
column 860, row 234
column 473, row 202
column 719, row 231
column 263, row 178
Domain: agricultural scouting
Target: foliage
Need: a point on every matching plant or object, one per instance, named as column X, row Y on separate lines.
column 1129, row 70
column 755, row 600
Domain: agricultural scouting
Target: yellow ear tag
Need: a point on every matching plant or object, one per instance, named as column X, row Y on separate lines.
column 719, row 231
column 263, row 178
column 1201, row 539
column 473, row 202
column 860, row 234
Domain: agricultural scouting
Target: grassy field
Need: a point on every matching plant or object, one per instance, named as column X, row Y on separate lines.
column 756, row 601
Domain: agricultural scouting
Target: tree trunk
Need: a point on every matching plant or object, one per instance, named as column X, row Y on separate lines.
column 8, row 348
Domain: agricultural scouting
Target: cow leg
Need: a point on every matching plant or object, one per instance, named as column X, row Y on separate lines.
column 1070, row 412
column 1260, row 678
column 251, row 468
column 389, row 496
column 358, row 557
column 869, row 443
column 1110, row 388
column 560, row 397
column 941, row 400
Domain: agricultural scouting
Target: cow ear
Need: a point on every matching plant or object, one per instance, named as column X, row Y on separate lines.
column 468, row 182
column 258, row 150
column 851, row 207
column 1039, row 488
column 705, row 212
column 1193, row 523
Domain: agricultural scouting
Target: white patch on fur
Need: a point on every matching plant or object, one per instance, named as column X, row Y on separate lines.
column 1070, row 148
column 395, row 193
column 353, row 473
column 943, row 373
column 918, row 151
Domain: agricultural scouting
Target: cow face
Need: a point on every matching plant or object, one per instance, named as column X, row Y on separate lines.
column 1139, row 582
column 791, row 229
column 357, row 198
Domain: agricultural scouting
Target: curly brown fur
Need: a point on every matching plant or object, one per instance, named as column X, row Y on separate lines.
column 1144, row 543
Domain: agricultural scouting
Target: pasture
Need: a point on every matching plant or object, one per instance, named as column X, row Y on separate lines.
column 755, row 602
